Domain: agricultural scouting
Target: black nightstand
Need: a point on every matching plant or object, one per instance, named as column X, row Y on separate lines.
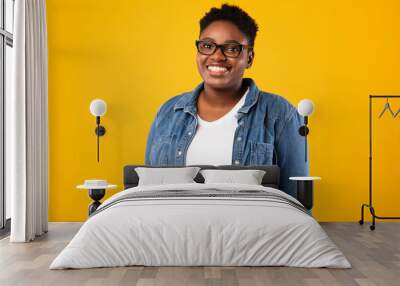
column 305, row 192
column 97, row 190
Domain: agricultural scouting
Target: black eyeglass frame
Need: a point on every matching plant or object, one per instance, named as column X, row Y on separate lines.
column 221, row 47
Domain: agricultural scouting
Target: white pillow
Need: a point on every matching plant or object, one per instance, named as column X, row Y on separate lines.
column 165, row 176
column 248, row 177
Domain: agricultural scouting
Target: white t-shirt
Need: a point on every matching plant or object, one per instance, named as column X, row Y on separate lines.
column 213, row 142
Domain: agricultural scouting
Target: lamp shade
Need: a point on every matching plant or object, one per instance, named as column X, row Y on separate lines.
column 98, row 107
column 305, row 107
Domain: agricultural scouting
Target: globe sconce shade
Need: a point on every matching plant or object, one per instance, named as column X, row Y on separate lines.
column 98, row 107
column 305, row 107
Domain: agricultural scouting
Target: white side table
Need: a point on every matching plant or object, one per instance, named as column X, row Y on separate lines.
column 305, row 192
column 97, row 190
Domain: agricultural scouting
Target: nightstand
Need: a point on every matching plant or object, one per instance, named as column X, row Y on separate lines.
column 305, row 190
column 97, row 190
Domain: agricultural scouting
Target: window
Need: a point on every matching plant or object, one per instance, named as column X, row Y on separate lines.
column 6, row 60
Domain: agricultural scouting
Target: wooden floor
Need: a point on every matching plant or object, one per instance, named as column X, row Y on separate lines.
column 375, row 256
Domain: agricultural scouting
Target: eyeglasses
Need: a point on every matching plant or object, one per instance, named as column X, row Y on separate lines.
column 231, row 50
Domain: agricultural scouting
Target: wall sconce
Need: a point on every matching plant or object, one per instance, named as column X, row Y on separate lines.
column 305, row 108
column 98, row 108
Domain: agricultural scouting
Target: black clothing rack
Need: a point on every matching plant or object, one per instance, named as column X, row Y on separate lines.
column 370, row 206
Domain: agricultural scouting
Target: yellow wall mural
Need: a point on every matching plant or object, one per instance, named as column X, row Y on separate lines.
column 137, row 54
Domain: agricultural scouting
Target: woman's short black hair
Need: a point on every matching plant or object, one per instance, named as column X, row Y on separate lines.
column 236, row 16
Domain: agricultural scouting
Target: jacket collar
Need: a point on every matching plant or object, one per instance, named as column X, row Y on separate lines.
column 188, row 101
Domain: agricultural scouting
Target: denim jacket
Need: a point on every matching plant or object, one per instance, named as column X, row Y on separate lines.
column 267, row 133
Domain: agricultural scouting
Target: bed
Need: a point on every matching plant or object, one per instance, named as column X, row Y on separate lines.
column 201, row 224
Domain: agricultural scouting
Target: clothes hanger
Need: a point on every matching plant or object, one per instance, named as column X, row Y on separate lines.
column 397, row 113
column 387, row 107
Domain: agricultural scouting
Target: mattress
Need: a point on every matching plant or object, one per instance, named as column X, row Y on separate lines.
column 201, row 225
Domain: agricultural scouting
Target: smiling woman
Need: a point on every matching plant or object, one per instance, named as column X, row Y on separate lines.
column 226, row 119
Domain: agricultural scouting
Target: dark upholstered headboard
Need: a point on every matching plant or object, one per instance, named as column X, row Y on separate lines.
column 270, row 179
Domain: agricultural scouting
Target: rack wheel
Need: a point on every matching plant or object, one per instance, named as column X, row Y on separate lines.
column 361, row 222
column 372, row 227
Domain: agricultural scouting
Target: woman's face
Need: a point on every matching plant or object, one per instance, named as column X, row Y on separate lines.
column 222, row 32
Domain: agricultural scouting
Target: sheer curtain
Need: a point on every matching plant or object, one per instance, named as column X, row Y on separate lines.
column 26, row 124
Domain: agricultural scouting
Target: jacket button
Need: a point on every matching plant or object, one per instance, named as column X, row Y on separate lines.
column 189, row 133
column 237, row 162
column 179, row 153
column 239, row 139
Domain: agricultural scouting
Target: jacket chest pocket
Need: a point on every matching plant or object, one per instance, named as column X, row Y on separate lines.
column 160, row 151
column 261, row 153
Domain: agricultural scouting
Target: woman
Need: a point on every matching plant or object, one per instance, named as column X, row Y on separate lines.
column 226, row 119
